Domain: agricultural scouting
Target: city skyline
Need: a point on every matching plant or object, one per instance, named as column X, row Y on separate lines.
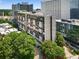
column 7, row 4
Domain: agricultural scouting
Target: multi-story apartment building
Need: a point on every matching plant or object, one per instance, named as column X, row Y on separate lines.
column 74, row 4
column 31, row 23
column 22, row 6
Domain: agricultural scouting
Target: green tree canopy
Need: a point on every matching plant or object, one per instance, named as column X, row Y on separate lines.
column 17, row 46
column 59, row 39
column 73, row 34
column 51, row 50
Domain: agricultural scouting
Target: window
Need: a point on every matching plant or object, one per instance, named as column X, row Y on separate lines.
column 40, row 24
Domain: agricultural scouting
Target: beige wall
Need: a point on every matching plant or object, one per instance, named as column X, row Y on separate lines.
column 6, row 17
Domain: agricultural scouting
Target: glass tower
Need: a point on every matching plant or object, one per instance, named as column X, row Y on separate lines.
column 74, row 4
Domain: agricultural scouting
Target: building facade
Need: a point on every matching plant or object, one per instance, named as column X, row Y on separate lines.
column 74, row 4
column 22, row 6
column 32, row 24
column 74, row 11
column 59, row 9
column 52, row 10
column 65, row 25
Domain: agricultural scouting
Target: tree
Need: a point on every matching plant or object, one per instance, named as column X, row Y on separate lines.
column 73, row 34
column 59, row 39
column 51, row 50
column 17, row 46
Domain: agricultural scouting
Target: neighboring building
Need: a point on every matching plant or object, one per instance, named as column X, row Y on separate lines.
column 22, row 6
column 33, row 23
column 37, row 10
column 74, row 11
column 52, row 10
column 59, row 9
column 74, row 4
column 65, row 25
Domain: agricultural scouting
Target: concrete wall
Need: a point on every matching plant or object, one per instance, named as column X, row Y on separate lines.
column 65, row 9
column 50, row 28
column 59, row 9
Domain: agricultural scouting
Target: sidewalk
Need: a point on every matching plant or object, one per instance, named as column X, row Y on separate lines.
column 69, row 55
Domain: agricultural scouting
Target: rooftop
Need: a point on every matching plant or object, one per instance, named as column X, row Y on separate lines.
column 69, row 21
column 6, row 28
column 37, row 13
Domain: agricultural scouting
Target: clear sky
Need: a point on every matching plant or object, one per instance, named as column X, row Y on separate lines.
column 7, row 4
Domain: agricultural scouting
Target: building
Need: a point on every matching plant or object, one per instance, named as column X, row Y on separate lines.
column 65, row 25
column 32, row 23
column 74, row 11
column 52, row 10
column 59, row 9
column 74, row 4
column 22, row 6
column 62, row 9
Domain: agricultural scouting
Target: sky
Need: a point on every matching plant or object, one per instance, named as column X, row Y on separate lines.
column 7, row 4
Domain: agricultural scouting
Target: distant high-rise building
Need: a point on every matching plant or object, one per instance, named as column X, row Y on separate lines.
column 22, row 6
column 74, row 10
column 74, row 4
column 59, row 9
